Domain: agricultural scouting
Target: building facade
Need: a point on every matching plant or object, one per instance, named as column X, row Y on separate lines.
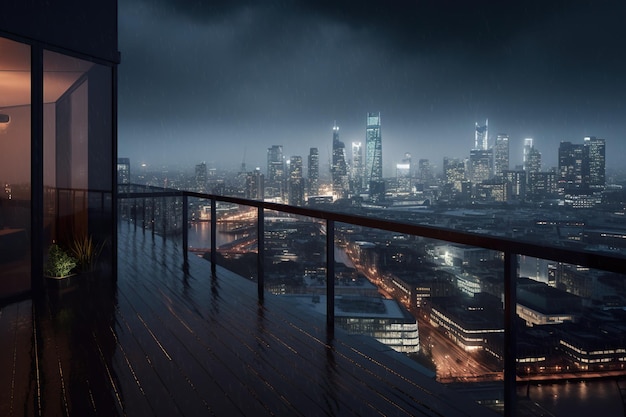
column 373, row 150
column 58, row 153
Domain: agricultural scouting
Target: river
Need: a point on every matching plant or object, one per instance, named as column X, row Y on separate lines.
column 599, row 398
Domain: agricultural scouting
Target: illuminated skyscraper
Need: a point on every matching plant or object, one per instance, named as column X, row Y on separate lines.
column 533, row 164
column 480, row 165
column 594, row 167
column 358, row 168
column 481, row 136
column 403, row 174
column 373, row 150
column 528, row 145
column 314, row 171
column 454, row 173
column 339, row 168
column 570, row 167
column 254, row 185
column 296, row 182
column 275, row 172
column 501, row 154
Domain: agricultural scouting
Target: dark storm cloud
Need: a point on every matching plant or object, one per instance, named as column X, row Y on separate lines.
column 259, row 73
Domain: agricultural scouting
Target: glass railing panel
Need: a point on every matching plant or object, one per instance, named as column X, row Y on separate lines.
column 235, row 236
column 571, row 339
column 295, row 259
column 438, row 303
column 199, row 227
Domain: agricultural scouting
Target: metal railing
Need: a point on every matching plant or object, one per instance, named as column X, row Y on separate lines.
column 509, row 247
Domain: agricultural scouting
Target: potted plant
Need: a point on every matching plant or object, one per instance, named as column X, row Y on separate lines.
column 59, row 264
column 85, row 251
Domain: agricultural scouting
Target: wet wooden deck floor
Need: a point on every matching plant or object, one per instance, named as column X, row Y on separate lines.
column 169, row 341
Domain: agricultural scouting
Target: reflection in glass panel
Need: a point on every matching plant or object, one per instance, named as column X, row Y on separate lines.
column 15, row 140
column 77, row 156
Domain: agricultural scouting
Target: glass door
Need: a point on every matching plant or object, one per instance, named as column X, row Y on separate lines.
column 15, row 172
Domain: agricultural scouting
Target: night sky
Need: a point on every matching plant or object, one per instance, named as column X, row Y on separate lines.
column 216, row 81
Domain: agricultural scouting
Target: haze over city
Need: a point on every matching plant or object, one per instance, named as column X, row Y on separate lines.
column 227, row 80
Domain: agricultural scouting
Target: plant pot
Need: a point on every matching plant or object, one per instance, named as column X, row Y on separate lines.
column 60, row 282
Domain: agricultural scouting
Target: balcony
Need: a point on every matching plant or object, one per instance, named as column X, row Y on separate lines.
column 177, row 335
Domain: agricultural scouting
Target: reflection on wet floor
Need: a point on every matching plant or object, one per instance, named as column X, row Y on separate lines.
column 172, row 340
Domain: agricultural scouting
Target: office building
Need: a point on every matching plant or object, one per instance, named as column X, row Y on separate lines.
column 201, row 178
column 358, row 168
column 313, row 172
column 373, row 150
column 339, row 167
column 481, row 136
column 255, row 184
column 296, row 182
column 424, row 171
column 404, row 177
column 582, row 169
column 501, row 154
column 275, row 180
column 595, row 162
column 480, row 165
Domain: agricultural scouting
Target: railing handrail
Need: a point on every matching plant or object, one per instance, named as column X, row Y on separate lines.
column 509, row 247
column 579, row 257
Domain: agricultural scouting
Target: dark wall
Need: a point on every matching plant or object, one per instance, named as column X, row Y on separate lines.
column 88, row 27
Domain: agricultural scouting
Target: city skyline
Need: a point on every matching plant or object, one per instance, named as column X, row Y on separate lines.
column 254, row 74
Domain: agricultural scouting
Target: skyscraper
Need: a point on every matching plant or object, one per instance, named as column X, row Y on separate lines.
column 454, row 173
column 255, row 182
column 201, row 178
column 424, row 171
column 501, row 154
column 339, row 168
column 481, row 157
column 481, row 136
column 358, row 168
column 296, row 182
column 480, row 165
column 570, row 175
column 373, row 150
column 594, row 168
column 274, row 183
column 314, row 172
column 533, row 164
column 528, row 145
column 403, row 174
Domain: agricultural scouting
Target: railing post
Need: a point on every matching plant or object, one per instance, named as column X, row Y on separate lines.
column 213, row 235
column 330, row 276
column 260, row 257
column 510, row 334
column 185, row 227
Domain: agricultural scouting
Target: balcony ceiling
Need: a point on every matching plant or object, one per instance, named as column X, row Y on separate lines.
column 61, row 72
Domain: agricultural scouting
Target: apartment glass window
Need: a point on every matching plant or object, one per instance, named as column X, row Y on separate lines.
column 77, row 152
column 15, row 173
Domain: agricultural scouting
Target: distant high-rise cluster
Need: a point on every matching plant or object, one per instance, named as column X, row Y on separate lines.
column 356, row 174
